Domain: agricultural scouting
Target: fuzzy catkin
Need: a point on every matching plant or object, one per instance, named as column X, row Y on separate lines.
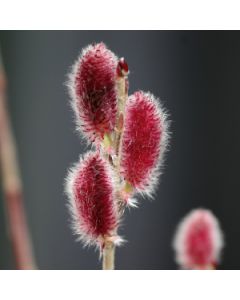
column 92, row 85
column 90, row 189
column 144, row 141
column 198, row 240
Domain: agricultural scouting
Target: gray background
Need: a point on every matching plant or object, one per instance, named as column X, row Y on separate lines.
column 196, row 75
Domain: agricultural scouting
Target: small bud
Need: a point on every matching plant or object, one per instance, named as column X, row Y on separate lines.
column 91, row 196
column 198, row 241
column 144, row 141
column 122, row 67
column 92, row 87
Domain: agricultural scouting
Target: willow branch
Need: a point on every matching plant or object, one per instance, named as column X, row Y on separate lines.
column 122, row 94
column 12, row 187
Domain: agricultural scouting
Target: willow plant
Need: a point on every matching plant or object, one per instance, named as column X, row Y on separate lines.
column 129, row 136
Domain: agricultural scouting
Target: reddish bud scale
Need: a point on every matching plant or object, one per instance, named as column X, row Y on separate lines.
column 198, row 240
column 93, row 91
column 143, row 142
column 122, row 67
column 91, row 195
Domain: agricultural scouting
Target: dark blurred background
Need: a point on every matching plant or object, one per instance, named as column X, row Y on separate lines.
column 196, row 75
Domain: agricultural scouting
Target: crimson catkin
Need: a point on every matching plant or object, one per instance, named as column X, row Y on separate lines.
column 90, row 189
column 92, row 87
column 144, row 141
column 198, row 241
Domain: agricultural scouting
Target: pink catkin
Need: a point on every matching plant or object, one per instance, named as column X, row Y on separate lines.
column 91, row 194
column 93, row 91
column 198, row 240
column 144, row 141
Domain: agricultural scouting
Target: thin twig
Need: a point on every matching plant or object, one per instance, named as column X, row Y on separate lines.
column 122, row 94
column 108, row 255
column 12, row 187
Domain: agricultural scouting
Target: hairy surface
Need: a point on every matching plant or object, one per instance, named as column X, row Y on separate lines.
column 144, row 141
column 93, row 91
column 198, row 241
column 90, row 189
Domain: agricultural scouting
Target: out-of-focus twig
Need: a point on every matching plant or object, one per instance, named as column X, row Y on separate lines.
column 12, row 186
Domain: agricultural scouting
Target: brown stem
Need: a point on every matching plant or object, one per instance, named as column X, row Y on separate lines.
column 108, row 256
column 12, row 187
column 122, row 92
